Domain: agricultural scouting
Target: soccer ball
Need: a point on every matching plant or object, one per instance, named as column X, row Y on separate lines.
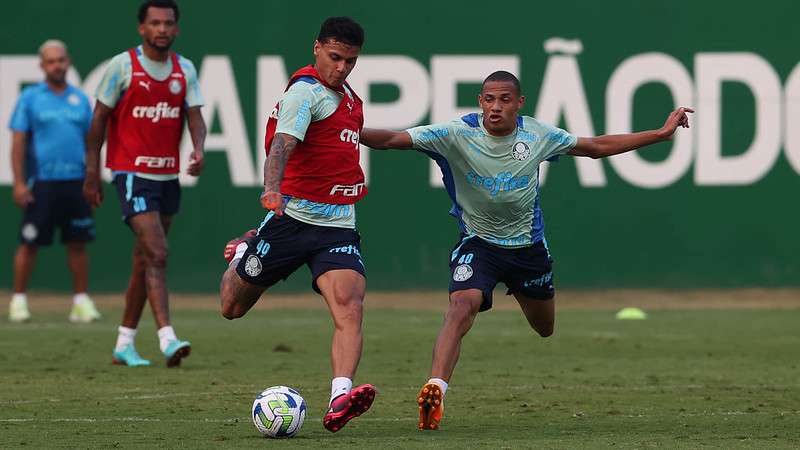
column 279, row 412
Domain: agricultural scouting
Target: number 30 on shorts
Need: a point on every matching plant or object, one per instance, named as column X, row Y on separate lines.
column 465, row 259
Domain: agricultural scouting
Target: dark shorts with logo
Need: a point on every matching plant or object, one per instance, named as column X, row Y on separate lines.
column 283, row 244
column 139, row 195
column 477, row 264
column 57, row 204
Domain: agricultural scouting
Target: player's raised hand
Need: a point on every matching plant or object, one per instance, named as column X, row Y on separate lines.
column 196, row 163
column 272, row 201
column 93, row 190
column 677, row 118
column 22, row 195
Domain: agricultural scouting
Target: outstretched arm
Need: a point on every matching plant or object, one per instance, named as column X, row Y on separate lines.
column 92, row 189
column 609, row 145
column 279, row 152
column 385, row 139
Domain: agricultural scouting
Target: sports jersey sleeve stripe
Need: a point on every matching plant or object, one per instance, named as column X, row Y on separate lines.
column 558, row 142
column 193, row 95
column 295, row 110
column 430, row 137
column 111, row 86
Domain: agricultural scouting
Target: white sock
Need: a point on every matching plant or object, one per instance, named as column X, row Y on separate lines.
column 125, row 338
column 80, row 297
column 339, row 386
column 165, row 335
column 19, row 297
column 441, row 383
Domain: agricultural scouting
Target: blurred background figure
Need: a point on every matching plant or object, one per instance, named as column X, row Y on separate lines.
column 49, row 127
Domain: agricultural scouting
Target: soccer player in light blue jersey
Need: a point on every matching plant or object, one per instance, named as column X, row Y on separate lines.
column 49, row 127
column 490, row 165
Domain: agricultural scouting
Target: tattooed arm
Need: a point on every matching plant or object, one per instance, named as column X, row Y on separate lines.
column 279, row 151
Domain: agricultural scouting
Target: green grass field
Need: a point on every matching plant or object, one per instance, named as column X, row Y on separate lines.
column 681, row 379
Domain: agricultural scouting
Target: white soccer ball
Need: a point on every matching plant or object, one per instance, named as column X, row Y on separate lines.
column 279, row 412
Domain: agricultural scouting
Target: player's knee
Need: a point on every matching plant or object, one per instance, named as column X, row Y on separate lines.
column 157, row 256
column 231, row 311
column 349, row 315
column 463, row 306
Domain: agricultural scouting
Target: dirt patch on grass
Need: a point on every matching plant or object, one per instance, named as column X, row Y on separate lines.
column 437, row 300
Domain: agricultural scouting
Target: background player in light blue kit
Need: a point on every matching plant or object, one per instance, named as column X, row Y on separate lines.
column 49, row 127
column 490, row 166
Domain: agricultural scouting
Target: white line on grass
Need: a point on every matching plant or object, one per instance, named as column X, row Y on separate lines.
column 154, row 419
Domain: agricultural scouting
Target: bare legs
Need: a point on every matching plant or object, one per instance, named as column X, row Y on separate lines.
column 460, row 316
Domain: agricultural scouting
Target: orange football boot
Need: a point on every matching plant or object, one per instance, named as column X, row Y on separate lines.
column 431, row 406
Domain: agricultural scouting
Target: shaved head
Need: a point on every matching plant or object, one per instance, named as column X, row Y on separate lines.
column 52, row 43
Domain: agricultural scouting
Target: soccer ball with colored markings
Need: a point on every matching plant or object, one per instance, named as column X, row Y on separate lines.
column 279, row 412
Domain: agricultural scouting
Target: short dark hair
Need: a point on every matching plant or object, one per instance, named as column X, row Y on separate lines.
column 502, row 75
column 158, row 4
column 342, row 29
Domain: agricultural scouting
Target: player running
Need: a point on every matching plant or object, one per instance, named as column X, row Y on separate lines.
column 311, row 182
column 146, row 94
column 490, row 162
column 49, row 127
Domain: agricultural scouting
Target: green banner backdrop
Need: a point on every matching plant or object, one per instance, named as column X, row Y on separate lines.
column 714, row 208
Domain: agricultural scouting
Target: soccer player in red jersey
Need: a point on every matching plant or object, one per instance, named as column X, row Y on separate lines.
column 146, row 95
column 312, row 179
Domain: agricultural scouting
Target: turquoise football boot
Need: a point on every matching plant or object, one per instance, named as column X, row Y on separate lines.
column 129, row 357
column 177, row 350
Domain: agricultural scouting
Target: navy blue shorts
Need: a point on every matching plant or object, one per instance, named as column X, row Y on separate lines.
column 283, row 244
column 57, row 204
column 477, row 264
column 139, row 195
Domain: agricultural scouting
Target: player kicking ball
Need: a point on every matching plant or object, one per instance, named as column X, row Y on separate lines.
column 312, row 180
column 490, row 165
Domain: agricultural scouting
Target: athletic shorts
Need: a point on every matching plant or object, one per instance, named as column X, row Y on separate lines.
column 57, row 204
column 283, row 244
column 139, row 195
column 477, row 264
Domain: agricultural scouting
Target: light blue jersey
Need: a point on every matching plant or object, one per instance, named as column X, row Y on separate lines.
column 494, row 181
column 56, row 125
column 306, row 101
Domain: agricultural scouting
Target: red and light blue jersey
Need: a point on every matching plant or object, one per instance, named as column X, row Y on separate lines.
column 324, row 166
column 145, row 129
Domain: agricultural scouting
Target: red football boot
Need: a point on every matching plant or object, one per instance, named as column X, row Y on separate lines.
column 230, row 247
column 347, row 406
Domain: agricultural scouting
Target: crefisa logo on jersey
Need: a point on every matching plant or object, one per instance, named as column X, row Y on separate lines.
column 520, row 151
column 175, row 86
column 349, row 136
column 162, row 110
